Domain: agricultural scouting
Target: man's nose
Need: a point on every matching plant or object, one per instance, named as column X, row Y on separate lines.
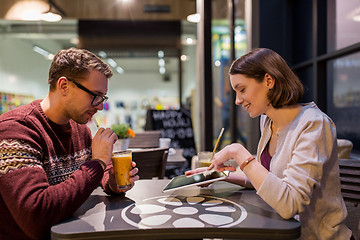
column 99, row 107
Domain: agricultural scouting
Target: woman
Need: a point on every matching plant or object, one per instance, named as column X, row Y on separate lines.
column 295, row 170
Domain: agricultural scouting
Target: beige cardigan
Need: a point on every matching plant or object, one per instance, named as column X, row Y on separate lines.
column 304, row 175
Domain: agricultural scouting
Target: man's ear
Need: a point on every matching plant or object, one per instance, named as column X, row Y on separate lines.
column 269, row 80
column 63, row 85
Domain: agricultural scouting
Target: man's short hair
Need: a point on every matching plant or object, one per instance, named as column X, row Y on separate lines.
column 75, row 63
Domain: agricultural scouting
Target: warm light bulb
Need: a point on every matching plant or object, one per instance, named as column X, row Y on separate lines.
column 27, row 10
column 183, row 57
column 51, row 17
column 189, row 41
column 195, row 18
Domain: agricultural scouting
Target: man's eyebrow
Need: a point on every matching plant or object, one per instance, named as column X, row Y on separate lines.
column 99, row 93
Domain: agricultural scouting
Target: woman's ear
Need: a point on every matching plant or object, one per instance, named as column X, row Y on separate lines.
column 269, row 80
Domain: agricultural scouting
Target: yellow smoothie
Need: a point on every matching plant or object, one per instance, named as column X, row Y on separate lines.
column 122, row 165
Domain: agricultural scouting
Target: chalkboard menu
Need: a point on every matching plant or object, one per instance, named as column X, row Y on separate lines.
column 174, row 124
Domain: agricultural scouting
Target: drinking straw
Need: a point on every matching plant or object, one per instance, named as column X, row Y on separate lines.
column 96, row 123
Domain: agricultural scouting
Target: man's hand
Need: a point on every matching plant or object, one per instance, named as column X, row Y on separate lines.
column 102, row 144
column 133, row 178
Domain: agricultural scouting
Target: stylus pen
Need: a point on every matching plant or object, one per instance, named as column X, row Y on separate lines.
column 217, row 142
column 216, row 145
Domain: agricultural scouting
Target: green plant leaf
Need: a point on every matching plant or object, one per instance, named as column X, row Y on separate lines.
column 120, row 130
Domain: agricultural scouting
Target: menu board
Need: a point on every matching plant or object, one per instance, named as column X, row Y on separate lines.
column 176, row 125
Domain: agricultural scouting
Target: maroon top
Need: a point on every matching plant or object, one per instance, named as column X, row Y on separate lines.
column 45, row 174
column 266, row 157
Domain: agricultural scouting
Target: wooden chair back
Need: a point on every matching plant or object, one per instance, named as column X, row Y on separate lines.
column 350, row 180
column 150, row 162
column 146, row 139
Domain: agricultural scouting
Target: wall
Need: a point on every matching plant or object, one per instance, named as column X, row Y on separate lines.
column 24, row 71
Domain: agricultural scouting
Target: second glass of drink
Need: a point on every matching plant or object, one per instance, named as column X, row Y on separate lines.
column 204, row 159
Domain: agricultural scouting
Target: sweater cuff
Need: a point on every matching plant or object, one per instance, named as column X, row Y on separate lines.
column 266, row 190
column 94, row 169
column 105, row 183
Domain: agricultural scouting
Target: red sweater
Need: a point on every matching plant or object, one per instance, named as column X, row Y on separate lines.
column 45, row 174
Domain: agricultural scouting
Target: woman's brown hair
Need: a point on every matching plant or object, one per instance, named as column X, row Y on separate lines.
column 288, row 89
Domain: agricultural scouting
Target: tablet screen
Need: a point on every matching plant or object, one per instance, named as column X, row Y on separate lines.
column 196, row 179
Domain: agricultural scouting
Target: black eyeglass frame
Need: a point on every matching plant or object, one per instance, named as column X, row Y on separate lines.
column 103, row 98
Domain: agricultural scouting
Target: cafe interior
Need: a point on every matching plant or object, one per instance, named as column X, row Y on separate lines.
column 174, row 55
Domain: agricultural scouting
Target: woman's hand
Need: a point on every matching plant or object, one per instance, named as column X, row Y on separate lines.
column 197, row 171
column 234, row 151
column 102, row 144
column 189, row 173
column 203, row 169
column 133, row 179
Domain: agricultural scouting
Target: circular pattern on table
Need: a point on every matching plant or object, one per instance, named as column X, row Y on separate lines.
column 147, row 209
column 184, row 212
column 170, row 201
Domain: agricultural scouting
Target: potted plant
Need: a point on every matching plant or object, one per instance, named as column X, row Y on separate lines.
column 123, row 132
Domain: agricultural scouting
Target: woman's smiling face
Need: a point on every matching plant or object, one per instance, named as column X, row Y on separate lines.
column 251, row 94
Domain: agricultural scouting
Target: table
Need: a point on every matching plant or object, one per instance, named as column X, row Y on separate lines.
column 222, row 210
column 176, row 158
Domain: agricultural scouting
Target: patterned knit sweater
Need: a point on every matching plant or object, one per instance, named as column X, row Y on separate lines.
column 45, row 174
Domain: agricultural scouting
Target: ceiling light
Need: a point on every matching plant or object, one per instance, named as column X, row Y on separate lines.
column 27, row 10
column 54, row 14
column 111, row 62
column 183, row 58
column 160, row 54
column 161, row 62
column 119, row 69
column 51, row 17
column 194, row 18
column 102, row 54
column 189, row 41
column 35, row 10
column 162, row 70
column 43, row 52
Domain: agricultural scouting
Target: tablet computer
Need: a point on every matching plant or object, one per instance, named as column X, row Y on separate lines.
column 196, row 179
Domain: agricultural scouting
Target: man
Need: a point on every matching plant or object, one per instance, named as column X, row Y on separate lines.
column 49, row 162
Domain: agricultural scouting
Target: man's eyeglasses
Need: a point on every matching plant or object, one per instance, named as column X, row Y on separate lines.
column 97, row 100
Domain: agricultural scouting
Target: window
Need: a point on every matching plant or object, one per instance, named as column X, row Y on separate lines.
column 343, row 23
column 344, row 97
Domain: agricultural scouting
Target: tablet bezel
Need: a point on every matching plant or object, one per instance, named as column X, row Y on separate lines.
column 203, row 178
